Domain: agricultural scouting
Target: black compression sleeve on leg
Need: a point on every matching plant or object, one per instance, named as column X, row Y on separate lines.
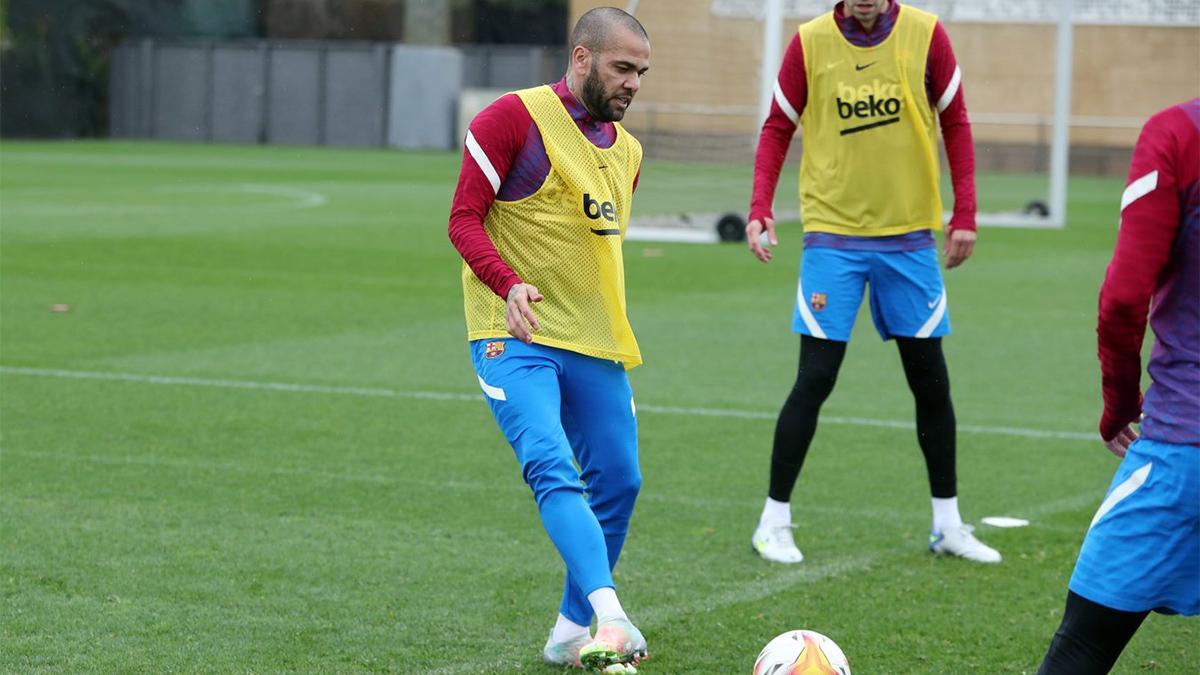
column 815, row 377
column 1089, row 639
column 929, row 380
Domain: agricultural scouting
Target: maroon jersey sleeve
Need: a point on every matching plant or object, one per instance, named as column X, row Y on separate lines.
column 1150, row 219
column 493, row 140
column 791, row 95
column 945, row 92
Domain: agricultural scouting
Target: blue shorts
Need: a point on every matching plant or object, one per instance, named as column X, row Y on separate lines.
column 1143, row 549
column 908, row 296
column 558, row 408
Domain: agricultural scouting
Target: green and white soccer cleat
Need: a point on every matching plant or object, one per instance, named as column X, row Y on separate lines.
column 962, row 543
column 564, row 653
column 775, row 543
column 617, row 643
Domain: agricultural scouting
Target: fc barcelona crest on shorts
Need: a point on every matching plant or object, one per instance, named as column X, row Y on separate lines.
column 493, row 349
column 817, row 302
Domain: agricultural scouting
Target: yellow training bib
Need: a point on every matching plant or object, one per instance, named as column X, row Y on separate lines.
column 565, row 239
column 870, row 162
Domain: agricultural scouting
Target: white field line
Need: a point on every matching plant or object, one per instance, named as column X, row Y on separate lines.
column 283, row 198
column 451, row 396
column 301, row 199
column 503, row 486
column 166, row 161
column 236, row 384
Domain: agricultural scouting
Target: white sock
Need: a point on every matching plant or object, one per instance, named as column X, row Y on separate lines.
column 566, row 630
column 605, row 604
column 945, row 514
column 776, row 514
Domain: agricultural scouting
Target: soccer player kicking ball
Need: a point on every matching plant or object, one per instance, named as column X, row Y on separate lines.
column 869, row 82
column 540, row 213
column 1142, row 551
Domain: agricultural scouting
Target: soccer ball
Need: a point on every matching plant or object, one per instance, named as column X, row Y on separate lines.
column 801, row 652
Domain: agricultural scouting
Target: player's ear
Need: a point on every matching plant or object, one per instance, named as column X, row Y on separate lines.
column 581, row 60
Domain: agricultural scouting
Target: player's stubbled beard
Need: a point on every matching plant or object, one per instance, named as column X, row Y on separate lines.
column 596, row 99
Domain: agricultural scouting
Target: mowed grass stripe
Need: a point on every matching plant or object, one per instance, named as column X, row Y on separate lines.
column 514, row 487
column 315, row 514
column 452, row 396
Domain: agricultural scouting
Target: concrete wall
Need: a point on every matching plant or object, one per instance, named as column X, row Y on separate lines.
column 424, row 97
column 310, row 92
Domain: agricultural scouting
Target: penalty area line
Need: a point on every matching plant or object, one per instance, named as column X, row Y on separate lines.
column 300, row 388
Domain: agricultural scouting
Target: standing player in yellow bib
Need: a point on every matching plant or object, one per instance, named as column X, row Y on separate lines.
column 869, row 82
column 541, row 209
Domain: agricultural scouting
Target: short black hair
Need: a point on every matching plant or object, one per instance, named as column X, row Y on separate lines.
column 594, row 27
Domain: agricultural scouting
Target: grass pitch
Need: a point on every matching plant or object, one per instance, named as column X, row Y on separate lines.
column 253, row 441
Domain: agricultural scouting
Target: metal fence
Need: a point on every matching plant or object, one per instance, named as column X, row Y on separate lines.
column 309, row 93
column 511, row 67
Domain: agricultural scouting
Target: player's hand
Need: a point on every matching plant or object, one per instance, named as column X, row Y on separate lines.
column 1121, row 442
column 1117, row 416
column 519, row 314
column 754, row 230
column 959, row 245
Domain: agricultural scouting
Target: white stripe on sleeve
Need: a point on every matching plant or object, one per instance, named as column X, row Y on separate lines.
column 947, row 96
column 785, row 105
column 1139, row 188
column 481, row 158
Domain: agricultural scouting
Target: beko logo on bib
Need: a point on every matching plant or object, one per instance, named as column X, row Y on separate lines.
column 596, row 210
column 868, row 106
column 878, row 99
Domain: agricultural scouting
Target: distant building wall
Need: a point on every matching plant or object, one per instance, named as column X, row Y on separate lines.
column 310, row 92
column 701, row 94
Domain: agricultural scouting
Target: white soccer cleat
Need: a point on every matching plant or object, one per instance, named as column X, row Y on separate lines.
column 564, row 653
column 775, row 543
column 617, row 643
column 960, row 542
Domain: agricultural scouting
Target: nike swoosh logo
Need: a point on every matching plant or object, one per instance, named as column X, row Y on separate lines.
column 606, row 233
column 858, row 67
column 930, row 304
column 602, row 166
